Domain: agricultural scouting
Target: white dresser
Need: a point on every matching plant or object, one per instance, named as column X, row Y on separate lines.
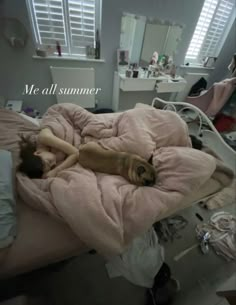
column 161, row 84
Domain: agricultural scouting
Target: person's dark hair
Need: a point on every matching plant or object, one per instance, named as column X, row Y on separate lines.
column 30, row 165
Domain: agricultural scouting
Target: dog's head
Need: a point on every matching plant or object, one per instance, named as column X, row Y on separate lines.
column 142, row 173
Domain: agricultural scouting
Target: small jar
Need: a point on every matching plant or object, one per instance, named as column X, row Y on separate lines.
column 128, row 73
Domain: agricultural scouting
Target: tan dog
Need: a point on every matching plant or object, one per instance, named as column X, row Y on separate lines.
column 132, row 167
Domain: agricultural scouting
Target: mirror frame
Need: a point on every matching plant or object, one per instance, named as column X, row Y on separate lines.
column 152, row 20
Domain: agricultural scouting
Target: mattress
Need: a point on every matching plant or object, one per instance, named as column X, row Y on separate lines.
column 40, row 241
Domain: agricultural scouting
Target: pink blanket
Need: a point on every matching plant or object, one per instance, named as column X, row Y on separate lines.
column 105, row 211
column 213, row 100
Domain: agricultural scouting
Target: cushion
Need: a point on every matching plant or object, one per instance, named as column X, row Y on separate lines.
column 7, row 201
column 32, row 120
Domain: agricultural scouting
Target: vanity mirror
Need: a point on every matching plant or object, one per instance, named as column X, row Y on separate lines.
column 142, row 36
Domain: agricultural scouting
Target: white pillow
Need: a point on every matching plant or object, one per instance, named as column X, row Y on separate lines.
column 141, row 105
column 32, row 120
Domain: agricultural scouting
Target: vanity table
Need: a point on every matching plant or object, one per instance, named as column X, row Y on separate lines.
column 160, row 84
column 140, row 37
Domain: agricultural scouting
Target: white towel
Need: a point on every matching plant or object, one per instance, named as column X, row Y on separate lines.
column 141, row 262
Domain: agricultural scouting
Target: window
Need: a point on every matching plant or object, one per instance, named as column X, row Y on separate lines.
column 213, row 25
column 73, row 23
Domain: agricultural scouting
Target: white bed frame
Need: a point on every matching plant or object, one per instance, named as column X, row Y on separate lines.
column 201, row 126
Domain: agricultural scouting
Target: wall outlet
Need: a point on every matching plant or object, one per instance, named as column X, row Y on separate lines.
column 14, row 105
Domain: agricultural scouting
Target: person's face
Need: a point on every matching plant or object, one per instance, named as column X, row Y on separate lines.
column 48, row 158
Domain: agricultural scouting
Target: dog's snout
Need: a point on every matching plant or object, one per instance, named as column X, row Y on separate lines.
column 146, row 182
column 149, row 182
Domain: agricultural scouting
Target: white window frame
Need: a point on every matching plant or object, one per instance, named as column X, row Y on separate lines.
column 69, row 49
column 197, row 59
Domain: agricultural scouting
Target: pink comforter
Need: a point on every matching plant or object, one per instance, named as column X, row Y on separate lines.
column 107, row 212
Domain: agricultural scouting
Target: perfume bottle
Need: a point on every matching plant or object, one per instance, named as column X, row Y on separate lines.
column 173, row 71
column 97, row 46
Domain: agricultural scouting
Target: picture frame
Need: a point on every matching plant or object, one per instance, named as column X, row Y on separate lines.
column 122, row 58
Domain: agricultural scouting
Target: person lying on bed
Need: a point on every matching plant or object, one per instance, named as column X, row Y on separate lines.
column 38, row 161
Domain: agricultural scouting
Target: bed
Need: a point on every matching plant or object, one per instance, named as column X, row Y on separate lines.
column 42, row 239
column 201, row 126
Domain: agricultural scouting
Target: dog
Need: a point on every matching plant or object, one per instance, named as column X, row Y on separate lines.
column 130, row 166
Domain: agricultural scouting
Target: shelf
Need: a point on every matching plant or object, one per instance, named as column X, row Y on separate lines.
column 160, row 84
column 197, row 67
column 69, row 58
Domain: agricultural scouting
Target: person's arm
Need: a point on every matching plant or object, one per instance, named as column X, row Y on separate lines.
column 47, row 138
column 70, row 160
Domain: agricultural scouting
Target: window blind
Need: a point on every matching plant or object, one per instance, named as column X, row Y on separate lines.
column 212, row 23
column 82, row 24
column 72, row 23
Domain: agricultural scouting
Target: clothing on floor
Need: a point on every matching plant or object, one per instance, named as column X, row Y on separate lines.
column 222, row 230
column 199, row 86
column 141, row 262
column 164, row 289
column 168, row 229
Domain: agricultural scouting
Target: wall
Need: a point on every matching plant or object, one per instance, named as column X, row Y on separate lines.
column 17, row 67
column 225, row 57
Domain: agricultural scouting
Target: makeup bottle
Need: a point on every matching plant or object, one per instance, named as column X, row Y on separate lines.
column 173, row 71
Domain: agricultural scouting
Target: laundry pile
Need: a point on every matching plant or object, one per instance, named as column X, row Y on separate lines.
column 222, row 234
column 169, row 229
column 143, row 264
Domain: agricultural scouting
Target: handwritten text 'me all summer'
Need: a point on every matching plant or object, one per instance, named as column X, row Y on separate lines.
column 53, row 89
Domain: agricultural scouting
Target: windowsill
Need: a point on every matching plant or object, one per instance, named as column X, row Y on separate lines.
column 69, row 58
column 192, row 66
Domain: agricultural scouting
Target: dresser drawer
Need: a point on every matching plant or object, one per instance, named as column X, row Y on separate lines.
column 137, row 84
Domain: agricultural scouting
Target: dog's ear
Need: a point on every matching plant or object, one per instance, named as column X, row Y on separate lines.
column 150, row 160
column 140, row 170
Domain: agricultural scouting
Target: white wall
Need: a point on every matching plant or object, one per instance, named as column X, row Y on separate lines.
column 224, row 58
column 17, row 67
